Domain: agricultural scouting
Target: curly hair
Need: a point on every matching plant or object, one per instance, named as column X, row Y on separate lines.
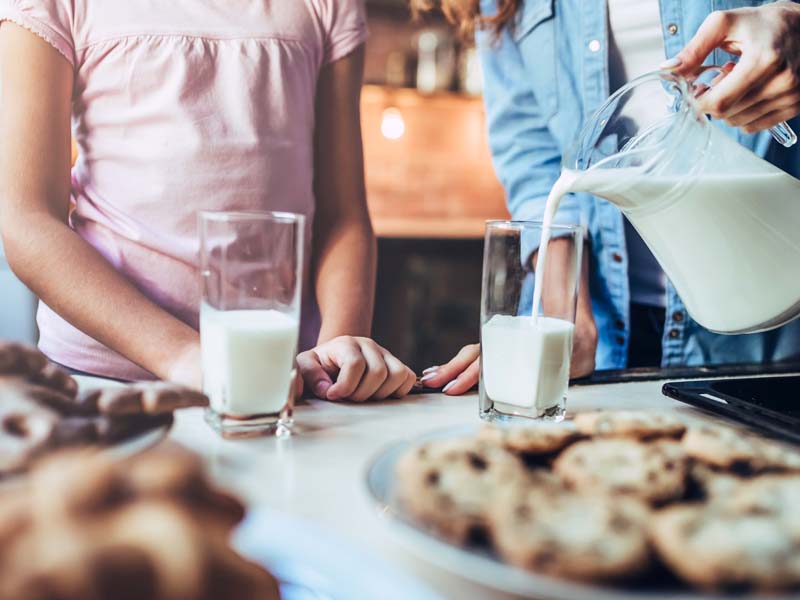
column 466, row 14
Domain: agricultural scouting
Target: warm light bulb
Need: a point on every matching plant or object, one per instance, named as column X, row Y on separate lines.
column 393, row 126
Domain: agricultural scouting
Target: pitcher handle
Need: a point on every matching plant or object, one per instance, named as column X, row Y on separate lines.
column 782, row 132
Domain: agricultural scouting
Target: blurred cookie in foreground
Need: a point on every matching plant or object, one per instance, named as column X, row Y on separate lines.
column 42, row 409
column 629, row 423
column 536, row 438
column 83, row 525
column 731, row 449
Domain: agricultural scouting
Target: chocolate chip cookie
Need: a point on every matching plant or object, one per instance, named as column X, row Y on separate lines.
column 535, row 438
column 636, row 424
column 552, row 530
column 655, row 471
column 449, row 486
column 711, row 547
column 730, row 449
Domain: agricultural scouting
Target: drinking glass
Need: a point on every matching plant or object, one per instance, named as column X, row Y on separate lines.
column 251, row 267
column 525, row 357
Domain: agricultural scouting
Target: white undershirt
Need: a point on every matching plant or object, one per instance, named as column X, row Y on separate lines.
column 636, row 47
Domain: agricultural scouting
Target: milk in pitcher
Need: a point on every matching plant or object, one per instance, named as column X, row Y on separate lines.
column 726, row 236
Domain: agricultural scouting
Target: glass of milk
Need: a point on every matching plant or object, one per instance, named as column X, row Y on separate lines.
column 251, row 266
column 527, row 318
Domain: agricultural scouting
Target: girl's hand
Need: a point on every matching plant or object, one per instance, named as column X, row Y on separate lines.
column 763, row 88
column 362, row 371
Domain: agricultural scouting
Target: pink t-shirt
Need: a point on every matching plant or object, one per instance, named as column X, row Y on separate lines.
column 181, row 106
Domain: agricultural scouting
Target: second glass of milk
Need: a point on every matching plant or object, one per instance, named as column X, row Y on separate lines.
column 251, row 267
column 526, row 350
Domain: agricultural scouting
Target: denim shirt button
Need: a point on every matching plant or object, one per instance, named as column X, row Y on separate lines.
column 672, row 28
column 621, row 340
column 594, row 46
column 677, row 316
column 619, row 324
column 616, row 257
column 674, row 334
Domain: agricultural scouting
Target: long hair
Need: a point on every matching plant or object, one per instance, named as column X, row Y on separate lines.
column 466, row 14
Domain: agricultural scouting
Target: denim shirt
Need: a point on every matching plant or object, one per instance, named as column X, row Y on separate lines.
column 544, row 77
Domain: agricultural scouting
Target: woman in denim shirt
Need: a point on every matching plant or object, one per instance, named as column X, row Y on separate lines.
column 548, row 65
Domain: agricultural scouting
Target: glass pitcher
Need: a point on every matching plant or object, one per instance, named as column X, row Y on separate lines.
column 723, row 223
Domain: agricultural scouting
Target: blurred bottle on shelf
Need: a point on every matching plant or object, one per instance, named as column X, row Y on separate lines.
column 470, row 74
column 436, row 61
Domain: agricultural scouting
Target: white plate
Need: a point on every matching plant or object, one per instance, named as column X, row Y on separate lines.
column 484, row 568
column 312, row 563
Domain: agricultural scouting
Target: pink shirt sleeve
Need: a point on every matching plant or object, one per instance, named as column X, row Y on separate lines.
column 346, row 26
column 49, row 19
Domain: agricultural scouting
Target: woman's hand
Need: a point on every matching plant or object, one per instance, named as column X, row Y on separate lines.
column 354, row 368
column 763, row 88
column 461, row 374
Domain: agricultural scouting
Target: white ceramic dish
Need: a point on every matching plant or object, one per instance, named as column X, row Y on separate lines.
column 314, row 564
column 482, row 567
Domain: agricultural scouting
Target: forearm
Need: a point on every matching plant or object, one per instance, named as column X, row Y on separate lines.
column 557, row 288
column 344, row 277
column 80, row 285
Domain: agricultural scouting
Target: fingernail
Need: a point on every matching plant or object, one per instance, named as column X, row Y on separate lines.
column 448, row 386
column 429, row 376
column 672, row 63
column 321, row 388
column 431, row 369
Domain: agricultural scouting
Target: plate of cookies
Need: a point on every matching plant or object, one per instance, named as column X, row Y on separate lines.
column 43, row 409
column 617, row 504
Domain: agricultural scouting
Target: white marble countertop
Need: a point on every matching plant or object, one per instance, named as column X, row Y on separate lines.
column 319, row 473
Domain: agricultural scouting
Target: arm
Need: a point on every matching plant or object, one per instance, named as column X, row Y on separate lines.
column 344, row 260
column 763, row 88
column 34, row 197
column 345, row 252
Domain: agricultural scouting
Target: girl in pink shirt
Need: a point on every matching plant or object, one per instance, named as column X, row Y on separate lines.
column 179, row 106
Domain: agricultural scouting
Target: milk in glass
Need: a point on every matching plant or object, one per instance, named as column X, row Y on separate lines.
column 525, row 360
column 248, row 360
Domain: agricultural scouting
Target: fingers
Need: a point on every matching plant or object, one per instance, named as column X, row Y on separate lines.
column 399, row 381
column 465, row 381
column 760, row 110
column 723, row 97
column 711, row 34
column 441, row 376
column 375, row 374
column 313, row 374
column 771, row 119
column 362, row 368
column 778, row 93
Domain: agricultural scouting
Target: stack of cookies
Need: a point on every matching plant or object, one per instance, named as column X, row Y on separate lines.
column 42, row 409
column 616, row 496
column 82, row 526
